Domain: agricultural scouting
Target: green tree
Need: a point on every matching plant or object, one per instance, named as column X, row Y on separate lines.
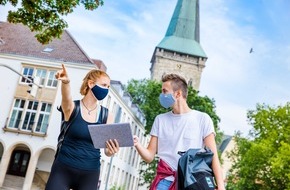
column 45, row 16
column 115, row 187
column 262, row 161
column 145, row 93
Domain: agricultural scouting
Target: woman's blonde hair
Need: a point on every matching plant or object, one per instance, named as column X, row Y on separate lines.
column 93, row 75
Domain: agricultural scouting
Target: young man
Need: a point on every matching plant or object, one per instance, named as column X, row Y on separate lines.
column 177, row 130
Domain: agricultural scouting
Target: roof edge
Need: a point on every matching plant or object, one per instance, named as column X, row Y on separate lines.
column 78, row 45
column 181, row 45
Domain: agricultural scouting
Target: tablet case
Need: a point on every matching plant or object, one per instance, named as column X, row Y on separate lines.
column 103, row 132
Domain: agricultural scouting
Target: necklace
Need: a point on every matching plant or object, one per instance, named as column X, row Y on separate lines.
column 89, row 111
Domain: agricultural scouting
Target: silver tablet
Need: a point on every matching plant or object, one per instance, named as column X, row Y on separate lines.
column 103, row 132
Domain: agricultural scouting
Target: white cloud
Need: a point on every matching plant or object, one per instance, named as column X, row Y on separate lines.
column 236, row 79
column 80, row 24
column 124, row 41
column 233, row 118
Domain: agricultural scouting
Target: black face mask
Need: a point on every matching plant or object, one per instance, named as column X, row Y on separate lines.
column 99, row 92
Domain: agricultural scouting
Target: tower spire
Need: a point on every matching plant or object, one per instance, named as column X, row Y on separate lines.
column 180, row 51
column 182, row 34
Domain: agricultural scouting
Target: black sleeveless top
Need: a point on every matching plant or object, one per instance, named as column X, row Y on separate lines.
column 77, row 149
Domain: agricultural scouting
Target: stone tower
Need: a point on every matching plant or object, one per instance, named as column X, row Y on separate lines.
column 179, row 51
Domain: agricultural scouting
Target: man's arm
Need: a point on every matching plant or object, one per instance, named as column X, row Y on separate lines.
column 209, row 141
column 148, row 153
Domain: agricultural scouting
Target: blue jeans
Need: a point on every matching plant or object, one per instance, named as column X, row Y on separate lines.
column 164, row 184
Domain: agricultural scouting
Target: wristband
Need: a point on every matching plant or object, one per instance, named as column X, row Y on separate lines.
column 65, row 81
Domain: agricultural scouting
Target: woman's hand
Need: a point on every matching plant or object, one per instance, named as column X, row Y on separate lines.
column 62, row 75
column 112, row 147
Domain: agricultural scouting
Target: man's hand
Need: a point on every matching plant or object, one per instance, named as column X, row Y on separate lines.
column 136, row 140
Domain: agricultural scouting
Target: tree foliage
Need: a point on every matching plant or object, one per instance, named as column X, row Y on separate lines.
column 147, row 172
column 45, row 16
column 262, row 162
column 115, row 187
column 145, row 93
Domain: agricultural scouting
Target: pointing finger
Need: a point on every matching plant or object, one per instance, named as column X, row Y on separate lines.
column 63, row 68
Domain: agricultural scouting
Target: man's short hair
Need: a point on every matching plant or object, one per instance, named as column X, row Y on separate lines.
column 177, row 82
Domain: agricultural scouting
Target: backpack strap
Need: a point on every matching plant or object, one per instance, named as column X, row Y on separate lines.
column 104, row 114
column 66, row 124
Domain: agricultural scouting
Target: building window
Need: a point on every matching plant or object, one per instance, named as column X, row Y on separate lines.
column 43, row 119
column 16, row 113
column 30, row 115
column 118, row 114
column 126, row 181
column 28, row 72
column 135, row 130
column 41, row 73
column 134, row 156
column 25, row 114
column 52, row 81
column 130, row 155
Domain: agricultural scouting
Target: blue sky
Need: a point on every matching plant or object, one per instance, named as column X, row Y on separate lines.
column 124, row 34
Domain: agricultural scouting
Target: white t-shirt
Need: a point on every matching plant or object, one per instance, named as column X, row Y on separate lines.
column 179, row 132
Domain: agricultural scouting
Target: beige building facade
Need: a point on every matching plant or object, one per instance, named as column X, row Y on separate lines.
column 227, row 145
column 30, row 123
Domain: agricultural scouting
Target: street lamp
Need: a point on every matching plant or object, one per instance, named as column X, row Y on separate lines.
column 33, row 82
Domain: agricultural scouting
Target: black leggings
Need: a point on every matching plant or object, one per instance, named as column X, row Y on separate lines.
column 63, row 177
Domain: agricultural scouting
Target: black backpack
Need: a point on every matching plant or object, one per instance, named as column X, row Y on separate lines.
column 194, row 170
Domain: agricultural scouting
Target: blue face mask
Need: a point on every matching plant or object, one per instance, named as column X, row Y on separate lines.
column 99, row 92
column 166, row 100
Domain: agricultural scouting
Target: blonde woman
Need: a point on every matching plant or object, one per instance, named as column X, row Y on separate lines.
column 77, row 163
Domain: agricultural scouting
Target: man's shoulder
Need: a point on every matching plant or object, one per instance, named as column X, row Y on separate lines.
column 198, row 113
column 166, row 114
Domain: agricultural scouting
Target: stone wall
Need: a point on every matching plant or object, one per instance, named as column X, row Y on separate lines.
column 187, row 66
